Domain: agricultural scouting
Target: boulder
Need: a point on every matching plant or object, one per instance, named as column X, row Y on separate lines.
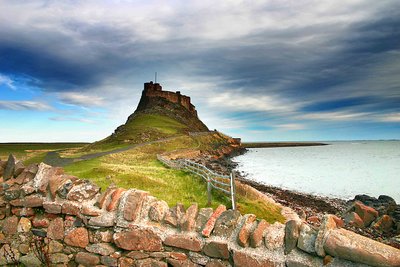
column 367, row 214
column 352, row 218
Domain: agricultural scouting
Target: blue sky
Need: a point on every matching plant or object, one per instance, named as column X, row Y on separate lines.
column 261, row 70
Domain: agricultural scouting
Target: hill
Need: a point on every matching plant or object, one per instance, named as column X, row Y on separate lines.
column 159, row 114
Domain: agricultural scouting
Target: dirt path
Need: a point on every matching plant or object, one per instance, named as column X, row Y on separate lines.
column 53, row 158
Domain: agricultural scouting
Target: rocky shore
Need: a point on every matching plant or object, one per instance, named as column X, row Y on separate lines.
column 376, row 218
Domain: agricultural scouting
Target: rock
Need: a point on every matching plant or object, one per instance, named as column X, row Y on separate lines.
column 209, row 226
column 55, row 246
column 90, row 210
column 328, row 223
column 216, row 249
column 347, row 245
column 103, row 249
column 384, row 224
column 243, row 259
column 44, row 174
column 23, row 212
column 10, row 225
column 32, row 201
column 105, row 197
column 78, row 237
column 109, row 261
column 30, row 260
column 352, row 218
column 56, row 229
column 138, row 239
column 115, row 197
column 138, row 255
column 275, row 236
column 313, row 220
column 307, row 236
column 87, row 259
column 83, row 191
column 184, row 241
column 107, row 219
column 39, row 232
column 202, row 218
column 256, row 238
column 13, row 195
column 24, row 177
column 24, row 248
column 178, row 263
column 367, row 214
column 52, row 207
column 292, row 229
column 24, row 225
column 101, row 236
column 126, row 262
column 198, row 258
column 327, row 260
column 158, row 210
column 71, row 208
column 178, row 256
column 18, row 168
column 8, row 172
column 133, row 204
column 217, row 263
column 189, row 221
column 150, row 262
column 245, row 231
column 39, row 222
column 9, row 255
column 59, row 258
column 226, row 223
column 174, row 215
column 65, row 186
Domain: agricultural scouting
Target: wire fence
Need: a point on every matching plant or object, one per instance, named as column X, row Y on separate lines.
column 223, row 183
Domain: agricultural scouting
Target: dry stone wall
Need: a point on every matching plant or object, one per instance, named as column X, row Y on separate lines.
column 49, row 217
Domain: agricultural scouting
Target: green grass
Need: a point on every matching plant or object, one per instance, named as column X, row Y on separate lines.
column 33, row 152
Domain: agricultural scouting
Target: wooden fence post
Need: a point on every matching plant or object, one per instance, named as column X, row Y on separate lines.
column 233, row 190
column 209, row 190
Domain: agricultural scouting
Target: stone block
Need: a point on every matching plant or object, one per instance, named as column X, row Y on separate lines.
column 243, row 259
column 55, row 230
column 71, row 208
column 83, row 191
column 367, row 214
column 115, row 198
column 256, row 238
column 133, row 204
column 307, row 236
column 138, row 239
column 59, row 258
column 24, row 225
column 52, row 207
column 78, row 237
column 158, row 210
column 274, row 236
column 185, row 241
column 109, row 261
column 216, row 249
column 292, row 229
column 8, row 172
column 202, row 218
column 189, row 221
column 10, row 225
column 91, row 210
column 226, row 223
column 103, row 249
column 87, row 259
column 245, row 231
column 209, row 226
column 107, row 219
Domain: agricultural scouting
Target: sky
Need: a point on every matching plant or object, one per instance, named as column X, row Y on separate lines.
column 272, row 70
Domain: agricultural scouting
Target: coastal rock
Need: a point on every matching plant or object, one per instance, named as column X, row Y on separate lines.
column 307, row 237
column 328, row 223
column 367, row 214
column 352, row 218
column 384, row 224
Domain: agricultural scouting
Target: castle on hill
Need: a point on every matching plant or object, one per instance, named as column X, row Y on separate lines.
column 155, row 90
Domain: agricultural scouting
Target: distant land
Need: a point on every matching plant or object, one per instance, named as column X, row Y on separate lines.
column 280, row 144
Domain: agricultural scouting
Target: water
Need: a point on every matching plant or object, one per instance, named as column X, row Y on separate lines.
column 341, row 169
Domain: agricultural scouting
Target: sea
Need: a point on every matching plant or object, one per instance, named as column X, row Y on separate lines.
column 339, row 169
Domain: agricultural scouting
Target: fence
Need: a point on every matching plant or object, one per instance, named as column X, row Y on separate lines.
column 223, row 183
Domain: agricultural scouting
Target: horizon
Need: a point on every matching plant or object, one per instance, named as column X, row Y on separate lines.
column 265, row 71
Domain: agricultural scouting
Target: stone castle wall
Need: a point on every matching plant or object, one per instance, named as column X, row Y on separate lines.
column 79, row 225
column 155, row 90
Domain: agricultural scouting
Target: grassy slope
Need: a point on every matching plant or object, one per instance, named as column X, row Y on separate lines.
column 33, row 152
column 139, row 167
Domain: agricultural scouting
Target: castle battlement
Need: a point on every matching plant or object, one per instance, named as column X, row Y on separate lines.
column 155, row 90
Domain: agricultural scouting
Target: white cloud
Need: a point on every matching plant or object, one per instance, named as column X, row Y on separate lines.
column 80, row 99
column 290, row 126
column 7, row 81
column 72, row 119
column 24, row 105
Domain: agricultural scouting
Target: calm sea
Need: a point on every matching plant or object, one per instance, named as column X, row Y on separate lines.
column 341, row 169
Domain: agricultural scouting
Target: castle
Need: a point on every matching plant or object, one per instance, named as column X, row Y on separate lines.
column 155, row 90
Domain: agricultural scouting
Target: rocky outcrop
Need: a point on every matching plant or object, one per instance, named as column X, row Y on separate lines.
column 74, row 223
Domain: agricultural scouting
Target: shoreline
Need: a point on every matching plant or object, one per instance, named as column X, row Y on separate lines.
column 280, row 144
